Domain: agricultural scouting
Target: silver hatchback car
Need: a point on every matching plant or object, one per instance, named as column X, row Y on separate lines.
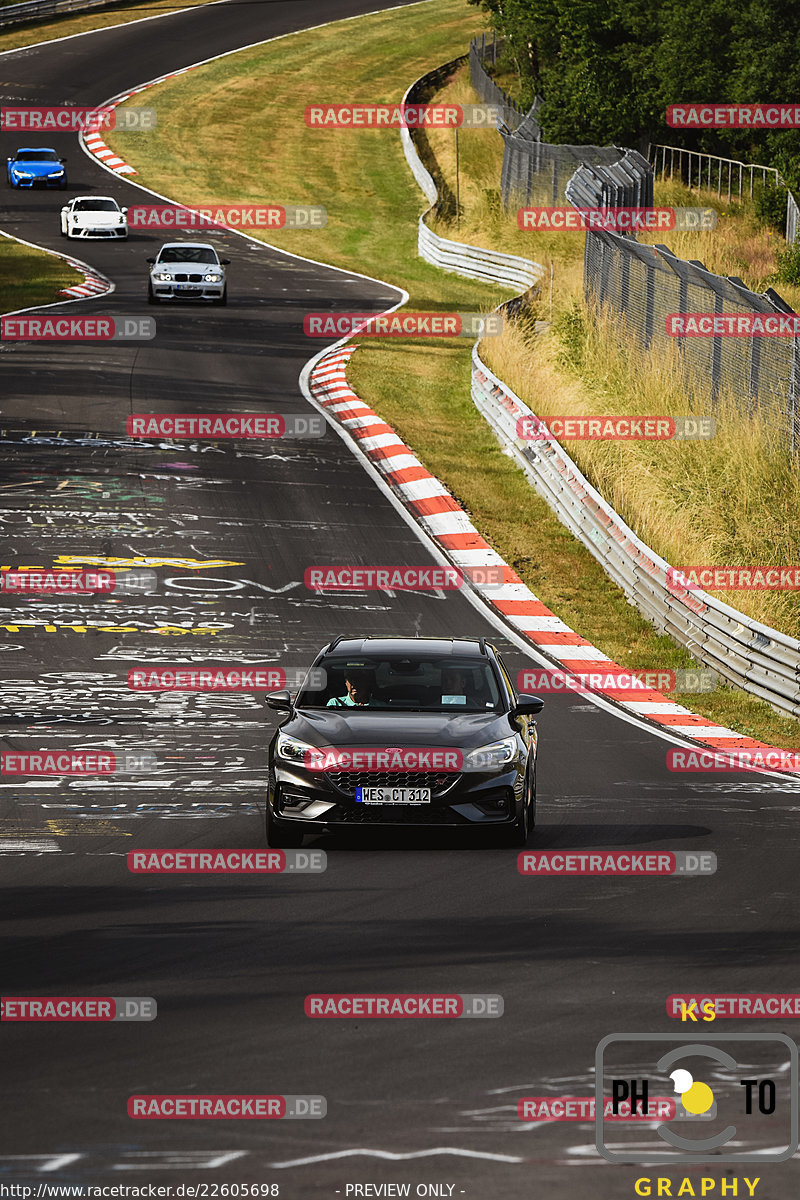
column 187, row 271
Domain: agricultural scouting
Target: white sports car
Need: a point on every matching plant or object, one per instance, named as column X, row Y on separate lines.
column 94, row 217
column 187, row 271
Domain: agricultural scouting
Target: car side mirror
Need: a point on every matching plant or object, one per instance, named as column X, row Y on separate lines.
column 527, row 706
column 226, row 262
column 62, row 160
column 281, row 700
column 123, row 210
column 65, row 208
column 151, row 260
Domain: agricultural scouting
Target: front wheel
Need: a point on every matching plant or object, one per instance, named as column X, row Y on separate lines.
column 279, row 837
column 62, row 186
column 150, row 297
column 524, row 825
column 223, row 299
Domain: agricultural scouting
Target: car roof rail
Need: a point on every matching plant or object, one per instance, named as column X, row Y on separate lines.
column 336, row 641
column 482, row 644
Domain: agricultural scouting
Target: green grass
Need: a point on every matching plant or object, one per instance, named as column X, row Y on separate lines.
column 31, row 277
column 250, row 106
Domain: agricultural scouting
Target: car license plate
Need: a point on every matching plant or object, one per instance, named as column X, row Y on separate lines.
column 387, row 795
column 187, row 287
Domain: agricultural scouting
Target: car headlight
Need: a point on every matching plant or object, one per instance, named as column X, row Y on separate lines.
column 212, row 278
column 163, row 277
column 293, row 750
column 55, row 174
column 22, row 174
column 492, row 757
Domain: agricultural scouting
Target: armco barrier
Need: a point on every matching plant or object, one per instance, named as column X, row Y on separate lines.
column 760, row 660
column 748, row 654
column 509, row 270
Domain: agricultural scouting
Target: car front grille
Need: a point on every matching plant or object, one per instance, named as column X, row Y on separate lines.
column 188, row 278
column 394, row 814
column 347, row 781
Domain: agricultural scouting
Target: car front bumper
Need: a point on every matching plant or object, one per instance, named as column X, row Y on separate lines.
column 309, row 803
column 187, row 291
column 78, row 231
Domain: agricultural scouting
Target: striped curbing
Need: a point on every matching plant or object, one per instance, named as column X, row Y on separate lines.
column 445, row 521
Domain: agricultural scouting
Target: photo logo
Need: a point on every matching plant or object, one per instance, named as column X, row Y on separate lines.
column 620, row 429
column 403, row 116
column 77, row 329
column 401, row 579
column 35, row 119
column 616, row 862
column 616, row 220
column 418, row 1005
column 766, row 759
column 226, row 1108
column 733, row 116
column 75, row 762
column 711, row 1085
column 733, row 579
column 402, row 324
column 227, row 862
column 743, row 325
column 78, row 1008
column 621, row 683
column 224, row 425
column 228, row 216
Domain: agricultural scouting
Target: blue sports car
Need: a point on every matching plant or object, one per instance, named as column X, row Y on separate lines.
column 37, row 165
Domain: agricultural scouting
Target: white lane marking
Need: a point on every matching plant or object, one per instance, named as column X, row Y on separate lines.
column 21, row 846
column 386, row 1154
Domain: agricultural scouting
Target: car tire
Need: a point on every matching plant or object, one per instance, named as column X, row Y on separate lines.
column 151, row 299
column 279, row 837
column 223, row 299
column 62, row 185
column 526, row 821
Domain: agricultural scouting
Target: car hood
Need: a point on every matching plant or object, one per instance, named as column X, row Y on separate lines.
column 189, row 268
column 374, row 727
column 38, row 168
column 96, row 218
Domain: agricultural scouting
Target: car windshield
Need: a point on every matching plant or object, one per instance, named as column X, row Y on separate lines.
column 37, row 156
column 405, row 683
column 95, row 206
column 190, row 254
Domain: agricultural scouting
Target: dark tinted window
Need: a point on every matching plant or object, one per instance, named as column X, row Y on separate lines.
column 417, row 683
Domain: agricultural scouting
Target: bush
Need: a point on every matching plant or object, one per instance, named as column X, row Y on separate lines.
column 789, row 265
column 769, row 202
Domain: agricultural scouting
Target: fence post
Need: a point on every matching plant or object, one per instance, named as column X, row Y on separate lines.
column 716, row 355
column 649, row 301
column 494, row 50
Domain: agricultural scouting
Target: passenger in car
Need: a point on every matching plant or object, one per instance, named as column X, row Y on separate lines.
column 360, row 693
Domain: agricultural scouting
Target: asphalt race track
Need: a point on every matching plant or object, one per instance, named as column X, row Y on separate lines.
column 231, row 958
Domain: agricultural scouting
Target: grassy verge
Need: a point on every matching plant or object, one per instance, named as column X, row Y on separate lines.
column 30, row 277
column 66, row 26
column 422, row 389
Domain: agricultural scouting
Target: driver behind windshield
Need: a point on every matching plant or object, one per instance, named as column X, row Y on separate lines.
column 359, row 693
